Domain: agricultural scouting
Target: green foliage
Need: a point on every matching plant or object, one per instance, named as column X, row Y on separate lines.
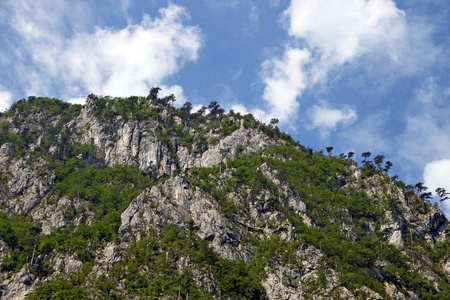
column 440, row 251
column 151, row 265
column 36, row 116
column 131, row 108
column 66, row 286
column 228, row 126
column 318, row 181
column 149, row 269
column 20, row 235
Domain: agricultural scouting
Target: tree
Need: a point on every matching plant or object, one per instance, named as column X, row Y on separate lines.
column 169, row 99
column 409, row 193
column 378, row 160
column 329, row 149
column 366, row 156
column 426, row 196
column 274, row 121
column 350, row 155
column 420, row 187
column 442, row 194
column 387, row 166
column 153, row 94
column 186, row 109
column 200, row 113
column 215, row 109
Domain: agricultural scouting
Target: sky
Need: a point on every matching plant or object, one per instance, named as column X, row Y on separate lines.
column 357, row 75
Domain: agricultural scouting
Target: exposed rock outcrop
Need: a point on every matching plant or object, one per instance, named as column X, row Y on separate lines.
column 222, row 205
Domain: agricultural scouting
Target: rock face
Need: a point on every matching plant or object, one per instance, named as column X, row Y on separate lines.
column 29, row 182
column 293, row 282
column 66, row 212
column 19, row 285
column 175, row 202
column 132, row 142
column 223, row 206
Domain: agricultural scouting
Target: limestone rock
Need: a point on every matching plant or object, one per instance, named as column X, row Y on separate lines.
column 396, row 239
column 28, row 183
column 176, row 203
column 66, row 264
column 19, row 285
column 66, row 212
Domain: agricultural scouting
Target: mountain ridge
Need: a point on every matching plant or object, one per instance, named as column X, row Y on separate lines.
column 132, row 197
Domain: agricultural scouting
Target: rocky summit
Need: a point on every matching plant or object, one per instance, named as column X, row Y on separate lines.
column 132, row 198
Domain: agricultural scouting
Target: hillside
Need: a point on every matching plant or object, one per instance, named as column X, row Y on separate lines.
column 132, row 198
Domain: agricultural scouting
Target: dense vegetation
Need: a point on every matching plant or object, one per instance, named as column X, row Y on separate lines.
column 325, row 183
column 316, row 178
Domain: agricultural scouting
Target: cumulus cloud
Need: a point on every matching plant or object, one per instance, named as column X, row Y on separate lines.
column 285, row 80
column 5, row 99
column 436, row 174
column 177, row 90
column 345, row 30
column 336, row 33
column 239, row 108
column 80, row 100
column 327, row 119
column 110, row 61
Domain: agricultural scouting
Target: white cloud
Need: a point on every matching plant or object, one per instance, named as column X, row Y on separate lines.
column 344, row 30
column 285, row 80
column 370, row 34
column 109, row 61
column 45, row 20
column 428, row 93
column 125, row 5
column 177, row 90
column 426, row 135
column 327, row 119
column 5, row 99
column 197, row 107
column 239, row 108
column 81, row 101
column 437, row 174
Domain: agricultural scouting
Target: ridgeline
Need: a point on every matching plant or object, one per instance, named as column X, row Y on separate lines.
column 132, row 198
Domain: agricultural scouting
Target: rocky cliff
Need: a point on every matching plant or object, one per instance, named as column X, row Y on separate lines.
column 133, row 198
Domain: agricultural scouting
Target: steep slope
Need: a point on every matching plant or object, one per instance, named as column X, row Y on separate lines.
column 132, row 197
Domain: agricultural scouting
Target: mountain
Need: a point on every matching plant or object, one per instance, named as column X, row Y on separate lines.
column 132, row 198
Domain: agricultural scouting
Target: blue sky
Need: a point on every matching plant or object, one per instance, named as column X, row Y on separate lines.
column 358, row 75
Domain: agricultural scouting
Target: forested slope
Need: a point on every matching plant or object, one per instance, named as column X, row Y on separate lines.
column 133, row 198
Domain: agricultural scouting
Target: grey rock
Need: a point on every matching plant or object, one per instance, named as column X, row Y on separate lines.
column 6, row 153
column 19, row 285
column 66, row 264
column 28, row 182
column 176, row 203
column 294, row 282
column 66, row 212
column 396, row 239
